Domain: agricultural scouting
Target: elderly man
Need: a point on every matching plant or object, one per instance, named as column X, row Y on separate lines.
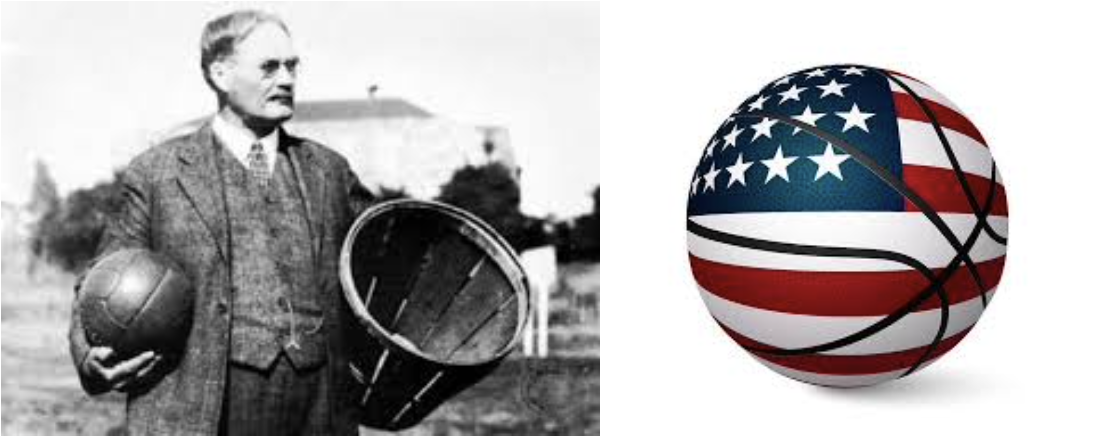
column 255, row 218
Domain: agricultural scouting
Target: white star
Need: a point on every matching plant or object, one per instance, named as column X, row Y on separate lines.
column 778, row 166
column 853, row 71
column 782, row 81
column 763, row 128
column 854, row 118
column 729, row 138
column 711, row 148
column 738, row 171
column 806, row 117
column 793, row 93
column 710, row 178
column 829, row 163
column 832, row 88
column 695, row 185
column 758, row 103
column 819, row 72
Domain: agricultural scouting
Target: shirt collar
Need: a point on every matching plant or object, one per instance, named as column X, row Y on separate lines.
column 239, row 140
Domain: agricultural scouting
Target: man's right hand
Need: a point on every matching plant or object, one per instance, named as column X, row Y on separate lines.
column 103, row 372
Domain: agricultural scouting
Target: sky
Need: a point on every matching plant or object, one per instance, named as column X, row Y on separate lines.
column 81, row 82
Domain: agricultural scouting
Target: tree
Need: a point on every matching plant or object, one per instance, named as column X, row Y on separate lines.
column 44, row 203
column 44, row 192
column 579, row 239
column 68, row 235
column 492, row 193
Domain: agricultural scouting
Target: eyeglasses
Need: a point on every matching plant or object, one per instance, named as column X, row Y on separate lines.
column 270, row 67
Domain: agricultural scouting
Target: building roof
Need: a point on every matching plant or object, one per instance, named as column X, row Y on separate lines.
column 328, row 110
column 332, row 110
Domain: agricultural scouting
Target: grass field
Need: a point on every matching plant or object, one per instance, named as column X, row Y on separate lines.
column 41, row 394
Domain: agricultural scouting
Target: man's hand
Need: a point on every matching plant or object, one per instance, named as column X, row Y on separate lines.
column 99, row 367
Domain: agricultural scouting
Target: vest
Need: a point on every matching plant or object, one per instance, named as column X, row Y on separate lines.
column 276, row 306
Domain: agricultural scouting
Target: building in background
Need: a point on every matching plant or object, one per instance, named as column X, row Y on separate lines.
column 392, row 143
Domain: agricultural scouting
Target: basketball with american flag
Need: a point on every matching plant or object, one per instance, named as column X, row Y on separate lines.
column 847, row 225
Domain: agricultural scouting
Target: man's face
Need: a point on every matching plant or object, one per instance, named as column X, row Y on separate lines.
column 258, row 77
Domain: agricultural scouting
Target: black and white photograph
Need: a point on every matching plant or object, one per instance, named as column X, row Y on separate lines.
column 305, row 218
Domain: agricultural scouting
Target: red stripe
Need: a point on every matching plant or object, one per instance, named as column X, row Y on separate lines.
column 828, row 293
column 850, row 365
column 941, row 189
column 908, row 108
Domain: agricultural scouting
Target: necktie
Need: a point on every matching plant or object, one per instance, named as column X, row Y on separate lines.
column 257, row 165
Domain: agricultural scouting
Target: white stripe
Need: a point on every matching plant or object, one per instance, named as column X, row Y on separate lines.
column 985, row 249
column 925, row 92
column 921, row 146
column 838, row 381
column 910, row 233
column 789, row 330
column 708, row 249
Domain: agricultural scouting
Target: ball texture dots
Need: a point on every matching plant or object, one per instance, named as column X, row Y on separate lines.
column 847, row 225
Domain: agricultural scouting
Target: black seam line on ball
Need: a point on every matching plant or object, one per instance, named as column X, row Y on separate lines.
column 887, row 177
column 956, row 168
column 807, row 250
column 940, row 330
column 935, row 282
column 962, row 250
column 150, row 295
column 971, row 238
column 979, row 215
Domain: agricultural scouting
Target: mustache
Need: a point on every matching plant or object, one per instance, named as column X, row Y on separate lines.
column 284, row 96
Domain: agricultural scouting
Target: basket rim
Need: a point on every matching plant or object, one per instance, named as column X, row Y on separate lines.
column 509, row 264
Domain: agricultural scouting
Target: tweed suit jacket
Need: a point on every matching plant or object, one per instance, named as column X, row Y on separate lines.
column 173, row 204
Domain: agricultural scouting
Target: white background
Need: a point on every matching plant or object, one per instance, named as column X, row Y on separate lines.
column 1037, row 82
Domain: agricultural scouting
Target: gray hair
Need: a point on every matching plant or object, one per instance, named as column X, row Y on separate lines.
column 224, row 33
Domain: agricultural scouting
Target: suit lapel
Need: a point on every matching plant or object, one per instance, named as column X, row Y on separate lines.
column 311, row 185
column 200, row 180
